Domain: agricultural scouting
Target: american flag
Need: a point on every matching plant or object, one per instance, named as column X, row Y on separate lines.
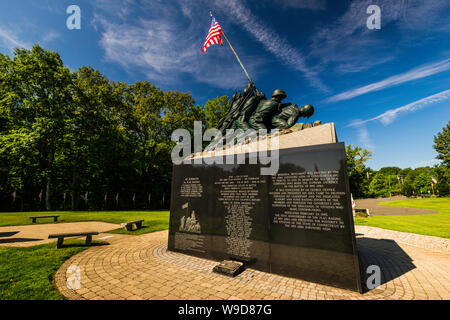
column 214, row 35
column 117, row 197
column 106, row 197
column 40, row 195
column 86, row 196
column 134, row 197
column 433, row 180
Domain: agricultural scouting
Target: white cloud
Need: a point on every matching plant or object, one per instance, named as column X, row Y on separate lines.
column 166, row 44
column 414, row 74
column 390, row 115
column 50, row 36
column 347, row 42
column 271, row 40
column 10, row 40
column 364, row 138
column 427, row 163
column 303, row 4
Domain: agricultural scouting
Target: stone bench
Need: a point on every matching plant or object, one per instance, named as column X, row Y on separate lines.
column 55, row 218
column 61, row 237
column 129, row 225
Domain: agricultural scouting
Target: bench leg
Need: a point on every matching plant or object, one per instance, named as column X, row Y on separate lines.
column 88, row 240
column 129, row 227
column 138, row 225
column 55, row 219
column 59, row 243
column 34, row 220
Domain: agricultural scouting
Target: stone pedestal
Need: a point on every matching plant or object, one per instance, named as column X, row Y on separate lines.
column 297, row 222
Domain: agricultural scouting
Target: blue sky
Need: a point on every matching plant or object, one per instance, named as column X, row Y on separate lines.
column 387, row 90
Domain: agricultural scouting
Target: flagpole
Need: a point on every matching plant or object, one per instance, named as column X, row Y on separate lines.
column 235, row 54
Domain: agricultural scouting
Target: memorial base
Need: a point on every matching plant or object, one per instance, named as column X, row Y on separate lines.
column 297, row 222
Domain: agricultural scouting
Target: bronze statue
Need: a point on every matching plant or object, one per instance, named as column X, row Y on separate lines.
column 251, row 110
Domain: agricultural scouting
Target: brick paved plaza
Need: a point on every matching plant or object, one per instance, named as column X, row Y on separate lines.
column 140, row 267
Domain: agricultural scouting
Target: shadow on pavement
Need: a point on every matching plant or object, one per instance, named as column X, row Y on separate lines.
column 386, row 254
column 71, row 245
column 15, row 240
column 8, row 234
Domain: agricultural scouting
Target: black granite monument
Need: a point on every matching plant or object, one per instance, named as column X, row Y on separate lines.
column 296, row 223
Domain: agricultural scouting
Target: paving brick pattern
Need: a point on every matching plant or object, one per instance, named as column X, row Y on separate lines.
column 140, row 267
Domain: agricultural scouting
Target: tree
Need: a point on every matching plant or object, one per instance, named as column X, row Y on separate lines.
column 442, row 144
column 36, row 101
column 72, row 133
column 380, row 185
column 357, row 170
column 215, row 110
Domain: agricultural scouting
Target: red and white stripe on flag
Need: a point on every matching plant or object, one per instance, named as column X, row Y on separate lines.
column 433, row 180
column 353, row 202
column 214, row 36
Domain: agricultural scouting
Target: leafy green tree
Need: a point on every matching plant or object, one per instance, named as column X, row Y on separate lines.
column 379, row 185
column 215, row 110
column 442, row 175
column 422, row 182
column 442, row 144
column 358, row 173
column 36, row 104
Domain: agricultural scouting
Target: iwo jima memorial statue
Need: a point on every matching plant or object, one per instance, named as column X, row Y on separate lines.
column 296, row 222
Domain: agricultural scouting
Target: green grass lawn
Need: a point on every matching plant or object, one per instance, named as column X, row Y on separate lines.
column 437, row 224
column 28, row 273
column 153, row 220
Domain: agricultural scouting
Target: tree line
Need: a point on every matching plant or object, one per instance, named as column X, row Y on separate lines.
column 388, row 181
column 76, row 140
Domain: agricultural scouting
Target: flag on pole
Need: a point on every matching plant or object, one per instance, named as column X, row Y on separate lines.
column 163, row 198
column 64, row 196
column 14, row 195
column 214, row 35
column 40, row 196
column 134, row 197
column 117, row 197
column 433, row 180
column 185, row 206
column 353, row 204
column 86, row 196
column 106, row 197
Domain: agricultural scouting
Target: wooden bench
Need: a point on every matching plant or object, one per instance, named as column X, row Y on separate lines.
column 61, row 237
column 55, row 218
column 129, row 225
